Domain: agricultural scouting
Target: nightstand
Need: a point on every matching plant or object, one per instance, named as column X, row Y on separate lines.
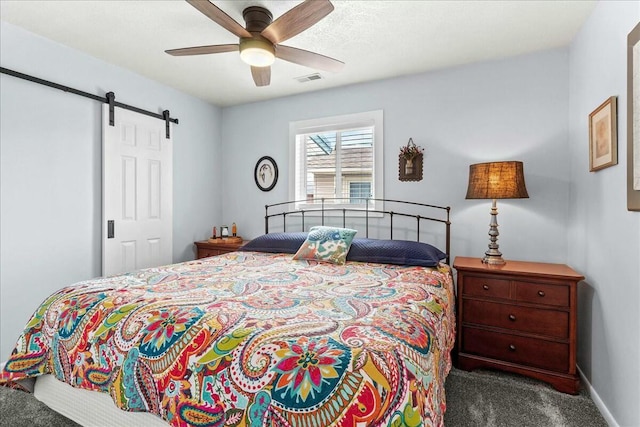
column 518, row 317
column 207, row 249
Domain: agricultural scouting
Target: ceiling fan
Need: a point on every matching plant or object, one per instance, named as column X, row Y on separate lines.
column 260, row 41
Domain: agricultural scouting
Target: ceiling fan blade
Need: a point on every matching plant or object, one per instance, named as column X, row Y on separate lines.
column 261, row 75
column 308, row 59
column 216, row 14
column 204, row 50
column 296, row 20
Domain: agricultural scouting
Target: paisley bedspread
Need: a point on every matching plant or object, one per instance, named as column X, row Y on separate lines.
column 253, row 339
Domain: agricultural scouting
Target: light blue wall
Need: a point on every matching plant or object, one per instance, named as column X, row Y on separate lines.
column 604, row 238
column 50, row 179
column 515, row 109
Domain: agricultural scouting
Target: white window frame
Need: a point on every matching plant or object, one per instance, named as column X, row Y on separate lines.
column 341, row 123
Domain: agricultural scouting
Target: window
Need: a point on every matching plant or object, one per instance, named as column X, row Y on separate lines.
column 337, row 158
column 358, row 191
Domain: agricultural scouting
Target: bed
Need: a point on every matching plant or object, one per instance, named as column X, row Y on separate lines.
column 312, row 329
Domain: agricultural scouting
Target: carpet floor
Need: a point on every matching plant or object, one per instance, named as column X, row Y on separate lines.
column 474, row 399
column 497, row 399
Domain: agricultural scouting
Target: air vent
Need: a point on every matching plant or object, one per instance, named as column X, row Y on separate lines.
column 310, row 77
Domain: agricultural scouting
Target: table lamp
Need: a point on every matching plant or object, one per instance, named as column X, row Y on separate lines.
column 496, row 180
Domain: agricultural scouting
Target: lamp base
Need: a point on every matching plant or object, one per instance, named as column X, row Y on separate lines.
column 493, row 260
column 493, row 256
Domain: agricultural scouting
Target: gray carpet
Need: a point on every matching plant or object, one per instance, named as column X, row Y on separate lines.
column 498, row 399
column 20, row 409
column 474, row 399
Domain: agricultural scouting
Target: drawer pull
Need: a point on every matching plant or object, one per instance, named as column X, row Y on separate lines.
column 541, row 293
column 512, row 317
column 485, row 287
column 512, row 347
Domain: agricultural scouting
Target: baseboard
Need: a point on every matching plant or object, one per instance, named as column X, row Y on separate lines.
column 598, row 402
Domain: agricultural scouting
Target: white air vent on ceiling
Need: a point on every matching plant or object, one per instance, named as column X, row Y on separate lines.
column 314, row 76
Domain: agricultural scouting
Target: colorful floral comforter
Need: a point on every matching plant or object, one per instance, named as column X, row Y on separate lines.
column 253, row 339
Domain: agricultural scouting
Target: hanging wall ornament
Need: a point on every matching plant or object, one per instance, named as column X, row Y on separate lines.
column 410, row 162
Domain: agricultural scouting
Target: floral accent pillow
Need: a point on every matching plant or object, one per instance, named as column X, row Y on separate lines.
column 328, row 244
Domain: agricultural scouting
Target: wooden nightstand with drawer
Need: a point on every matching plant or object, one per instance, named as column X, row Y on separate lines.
column 518, row 317
column 223, row 246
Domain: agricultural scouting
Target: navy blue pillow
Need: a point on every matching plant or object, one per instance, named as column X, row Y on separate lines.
column 400, row 252
column 286, row 243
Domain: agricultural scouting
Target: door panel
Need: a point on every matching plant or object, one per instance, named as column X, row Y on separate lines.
column 137, row 192
column 129, row 184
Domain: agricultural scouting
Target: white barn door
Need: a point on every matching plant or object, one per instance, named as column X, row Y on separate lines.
column 137, row 192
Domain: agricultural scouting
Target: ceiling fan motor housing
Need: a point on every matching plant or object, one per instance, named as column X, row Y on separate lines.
column 257, row 50
column 257, row 18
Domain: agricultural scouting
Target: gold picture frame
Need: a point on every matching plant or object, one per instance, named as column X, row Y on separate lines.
column 603, row 137
column 633, row 119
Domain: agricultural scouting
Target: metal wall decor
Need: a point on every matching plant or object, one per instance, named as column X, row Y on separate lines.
column 266, row 173
column 410, row 162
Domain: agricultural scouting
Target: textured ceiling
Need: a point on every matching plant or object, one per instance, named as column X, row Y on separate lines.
column 376, row 39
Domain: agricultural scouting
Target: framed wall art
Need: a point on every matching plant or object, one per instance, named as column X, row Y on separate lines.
column 266, row 173
column 603, row 138
column 633, row 119
column 410, row 162
column 410, row 169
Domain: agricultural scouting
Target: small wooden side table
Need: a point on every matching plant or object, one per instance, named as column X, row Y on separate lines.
column 518, row 317
column 222, row 246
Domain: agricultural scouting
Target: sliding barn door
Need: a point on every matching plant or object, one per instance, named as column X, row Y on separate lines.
column 137, row 192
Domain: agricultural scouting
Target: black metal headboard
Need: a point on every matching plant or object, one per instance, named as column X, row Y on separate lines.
column 322, row 208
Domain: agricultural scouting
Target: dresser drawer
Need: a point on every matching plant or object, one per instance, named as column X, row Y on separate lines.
column 221, row 246
column 486, row 286
column 538, row 293
column 523, row 319
column 512, row 348
column 204, row 253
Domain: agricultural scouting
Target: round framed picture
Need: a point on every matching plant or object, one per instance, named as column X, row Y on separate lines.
column 266, row 173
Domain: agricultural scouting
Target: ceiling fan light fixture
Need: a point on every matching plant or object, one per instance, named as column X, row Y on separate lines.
column 256, row 52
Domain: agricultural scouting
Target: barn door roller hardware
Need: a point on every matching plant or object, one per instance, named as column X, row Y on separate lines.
column 110, row 98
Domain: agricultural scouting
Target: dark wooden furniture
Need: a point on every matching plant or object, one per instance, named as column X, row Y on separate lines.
column 518, row 317
column 207, row 249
